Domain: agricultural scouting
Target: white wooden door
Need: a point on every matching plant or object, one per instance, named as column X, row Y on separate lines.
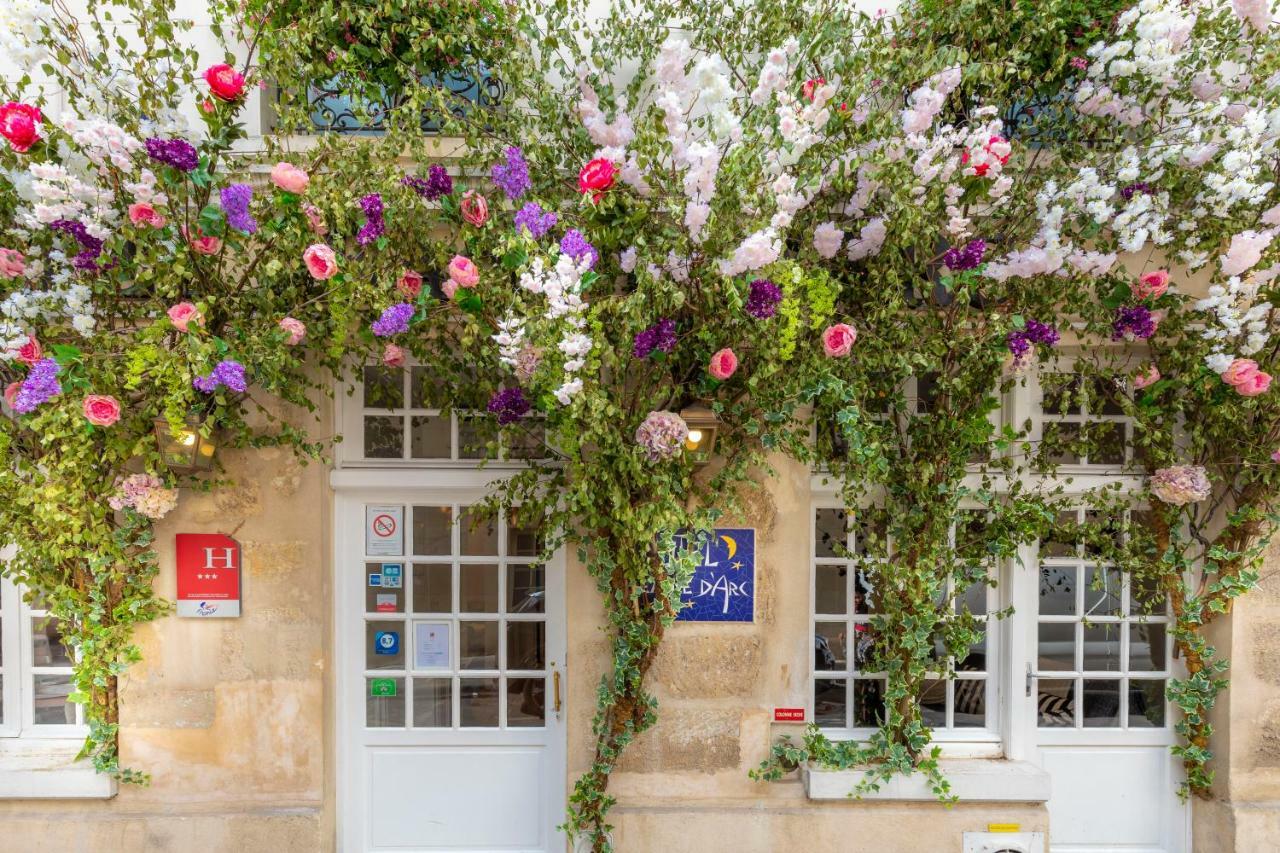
column 450, row 651
column 1099, row 663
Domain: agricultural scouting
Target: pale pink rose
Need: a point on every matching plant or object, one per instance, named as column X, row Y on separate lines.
column 475, row 208
column 290, row 178
column 141, row 213
column 183, row 315
column 101, row 410
column 321, row 261
column 723, row 364
column 315, row 219
column 12, row 263
column 1150, row 376
column 1150, row 285
column 11, row 393
column 393, row 356
column 838, row 340
column 1239, row 371
column 410, row 284
column 295, row 329
column 30, row 352
column 450, row 287
column 463, row 272
column 1255, row 385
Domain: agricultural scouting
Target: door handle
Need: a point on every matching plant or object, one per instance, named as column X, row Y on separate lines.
column 555, row 680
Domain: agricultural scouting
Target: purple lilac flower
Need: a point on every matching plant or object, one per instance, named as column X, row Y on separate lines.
column 576, row 246
column 1140, row 187
column 510, row 405
column 178, row 153
column 763, row 299
column 957, row 259
column 660, row 336
column 40, row 386
column 394, row 320
column 91, row 246
column 1133, row 323
column 374, row 226
column 533, row 219
column 1034, row 332
column 227, row 373
column 235, row 203
column 512, row 177
column 435, row 185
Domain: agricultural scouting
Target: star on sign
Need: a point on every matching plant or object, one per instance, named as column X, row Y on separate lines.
column 737, row 564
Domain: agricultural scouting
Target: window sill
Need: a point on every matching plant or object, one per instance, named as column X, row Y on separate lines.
column 47, row 769
column 972, row 780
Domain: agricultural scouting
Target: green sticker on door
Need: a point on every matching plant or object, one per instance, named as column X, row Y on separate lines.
column 382, row 687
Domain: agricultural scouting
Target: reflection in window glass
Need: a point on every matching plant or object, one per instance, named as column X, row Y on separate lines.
column 383, row 437
column 384, row 702
column 433, row 530
column 48, row 648
column 478, row 644
column 868, row 702
column 1058, row 590
column 524, row 537
column 432, row 588
column 933, row 702
column 1101, row 704
column 479, row 533
column 51, row 705
column 1146, row 703
column 478, row 588
column 525, row 589
column 1102, row 647
column 429, row 436
column 1101, row 591
column 828, row 645
column 831, row 533
column 829, row 589
column 526, row 645
column 1056, row 647
column 1147, row 647
column 526, row 701
column 830, row 703
column 432, row 703
column 479, row 701
column 383, row 388
column 969, row 696
column 1055, row 703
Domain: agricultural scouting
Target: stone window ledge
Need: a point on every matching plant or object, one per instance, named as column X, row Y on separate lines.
column 38, row 768
column 972, row 780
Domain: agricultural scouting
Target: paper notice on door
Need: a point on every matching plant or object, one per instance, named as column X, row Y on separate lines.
column 431, row 645
column 383, row 530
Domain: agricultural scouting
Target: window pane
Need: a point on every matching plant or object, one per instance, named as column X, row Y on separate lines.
column 933, row 702
column 970, row 700
column 1146, row 703
column 864, row 594
column 1146, row 598
column 383, row 437
column 479, row 702
column 830, row 702
column 1058, row 590
column 1056, row 646
column 381, row 599
column 1146, row 647
column 1102, row 647
column 1105, row 399
column 976, row 661
column 1055, row 703
column 432, row 703
column 829, row 589
column 830, row 533
column 1101, row 704
column 478, row 588
column 384, row 645
column 828, row 647
column 51, row 705
column 1063, row 544
column 975, row 598
column 1106, row 443
column 425, row 390
column 473, row 443
column 1061, row 394
column 429, row 436
column 1101, row 591
column 526, row 645
column 479, row 533
column 526, row 701
column 48, row 647
column 432, row 588
column 384, row 702
column 527, row 443
column 432, row 530
column 383, row 388
column 868, row 703
column 526, row 591
column 479, row 645
column 524, row 537
column 1061, row 442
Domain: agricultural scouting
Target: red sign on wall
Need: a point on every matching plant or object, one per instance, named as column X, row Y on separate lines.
column 208, row 575
column 788, row 715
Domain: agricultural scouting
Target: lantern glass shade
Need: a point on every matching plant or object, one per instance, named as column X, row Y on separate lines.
column 703, row 427
column 185, row 449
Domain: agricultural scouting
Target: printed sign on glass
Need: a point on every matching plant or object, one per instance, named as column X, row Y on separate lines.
column 382, row 687
column 384, row 530
column 431, row 645
column 392, row 576
column 386, row 643
column 208, row 575
column 723, row 587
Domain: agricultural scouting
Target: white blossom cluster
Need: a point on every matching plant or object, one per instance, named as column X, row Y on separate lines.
column 20, row 22
column 561, row 286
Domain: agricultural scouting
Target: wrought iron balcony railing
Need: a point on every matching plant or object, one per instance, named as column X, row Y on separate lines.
column 334, row 111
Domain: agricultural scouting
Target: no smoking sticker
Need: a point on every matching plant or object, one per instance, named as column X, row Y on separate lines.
column 384, row 530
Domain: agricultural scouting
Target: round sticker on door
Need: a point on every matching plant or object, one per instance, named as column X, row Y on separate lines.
column 386, row 643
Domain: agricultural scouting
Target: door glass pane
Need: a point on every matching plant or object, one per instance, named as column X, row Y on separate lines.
column 1146, row 703
column 430, row 436
column 383, row 388
column 526, row 645
column 1061, row 441
column 384, row 702
column 1055, row 703
column 829, row 589
column 830, row 702
column 526, row 701
column 1056, row 646
column 933, row 702
column 478, row 586
column 479, row 533
column 48, row 648
column 432, row 588
column 1101, row 703
column 828, row 645
column 975, row 598
column 523, row 536
column 1102, row 647
column 830, row 533
column 526, row 591
column 432, row 530
column 379, row 598
column 976, row 660
column 1101, row 591
column 1146, row 598
column 479, row 701
column 864, row 594
column 1058, row 590
column 384, row 645
column 479, row 645
column 1063, row 542
column 432, row 703
column 868, row 702
column 51, row 705
column 383, row 437
column 1146, row 647
column 970, row 702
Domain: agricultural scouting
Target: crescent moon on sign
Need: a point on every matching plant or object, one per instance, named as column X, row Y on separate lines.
column 731, row 545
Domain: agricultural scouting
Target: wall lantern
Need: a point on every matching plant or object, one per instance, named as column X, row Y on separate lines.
column 703, row 426
column 185, row 450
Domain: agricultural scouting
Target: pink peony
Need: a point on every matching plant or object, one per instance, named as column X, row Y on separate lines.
column 30, row 352
column 290, row 178
column 183, row 315
column 141, row 213
column 101, row 410
column 12, row 263
column 321, row 261
column 596, row 177
column 393, row 356
column 315, row 219
column 475, row 208
column 1239, row 371
column 224, row 82
column 463, row 272
column 838, row 340
column 1255, row 385
column 409, row 284
column 1151, row 285
column 1150, row 376
column 20, row 124
column 723, row 364
column 295, row 329
column 202, row 245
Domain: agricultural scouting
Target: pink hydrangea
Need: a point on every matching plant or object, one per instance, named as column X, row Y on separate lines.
column 1180, row 485
column 295, row 329
column 662, row 435
column 12, row 263
column 145, row 494
column 827, row 239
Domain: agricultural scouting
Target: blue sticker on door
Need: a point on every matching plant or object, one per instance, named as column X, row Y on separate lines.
column 386, row 643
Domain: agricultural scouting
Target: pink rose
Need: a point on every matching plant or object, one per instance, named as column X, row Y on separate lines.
column 201, row 244
column 475, row 209
column 295, row 329
column 1256, row 384
column 393, row 356
column 321, row 261
column 31, row 351
column 723, row 364
column 1150, row 376
column 463, row 272
column 141, row 213
column 208, row 105
column 1150, row 285
column 12, row 263
column 1240, row 371
column 596, row 177
column 290, row 178
column 450, row 287
column 101, row 410
column 410, row 284
column 20, row 124
column 224, row 81
column 838, row 340
column 183, row 315
column 11, row 393
column 315, row 219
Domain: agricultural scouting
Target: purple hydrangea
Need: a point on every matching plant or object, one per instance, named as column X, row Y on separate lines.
column 1133, row 189
column 512, row 177
column 533, row 219
column 40, row 386
column 1133, row 323
column 91, row 246
column 967, row 257
column 394, row 320
column 1034, row 332
column 576, row 246
column 662, row 435
column 178, row 153
column 227, row 373
column 235, row 203
column 661, row 336
column 374, row 226
column 763, row 299
column 510, row 405
column 434, row 186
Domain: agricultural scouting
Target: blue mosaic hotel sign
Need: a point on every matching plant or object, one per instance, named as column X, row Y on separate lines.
column 723, row 587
